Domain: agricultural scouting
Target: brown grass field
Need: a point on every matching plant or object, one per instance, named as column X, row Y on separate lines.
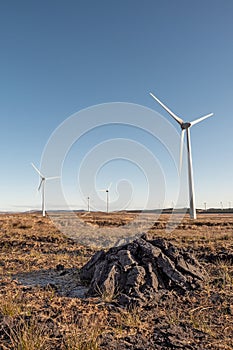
column 42, row 304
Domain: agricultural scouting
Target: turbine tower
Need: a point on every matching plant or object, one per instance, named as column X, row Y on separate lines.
column 185, row 127
column 107, row 196
column 41, row 186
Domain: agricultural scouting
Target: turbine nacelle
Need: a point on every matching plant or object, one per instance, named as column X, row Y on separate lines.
column 185, row 125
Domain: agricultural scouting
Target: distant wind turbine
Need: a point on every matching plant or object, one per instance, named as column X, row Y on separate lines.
column 41, row 186
column 185, row 126
column 107, row 196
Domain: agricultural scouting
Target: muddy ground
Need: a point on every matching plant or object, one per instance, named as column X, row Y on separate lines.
column 43, row 304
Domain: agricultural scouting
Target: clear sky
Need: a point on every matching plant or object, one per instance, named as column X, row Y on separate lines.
column 59, row 57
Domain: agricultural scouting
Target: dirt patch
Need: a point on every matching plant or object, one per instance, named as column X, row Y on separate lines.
column 65, row 282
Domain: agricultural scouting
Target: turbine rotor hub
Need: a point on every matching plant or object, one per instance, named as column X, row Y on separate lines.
column 185, row 125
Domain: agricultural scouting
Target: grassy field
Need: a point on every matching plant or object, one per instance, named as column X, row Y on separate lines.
column 41, row 297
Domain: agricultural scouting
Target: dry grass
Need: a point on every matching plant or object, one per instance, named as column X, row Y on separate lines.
column 27, row 334
column 35, row 316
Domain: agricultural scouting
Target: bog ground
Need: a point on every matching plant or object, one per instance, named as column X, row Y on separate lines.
column 42, row 303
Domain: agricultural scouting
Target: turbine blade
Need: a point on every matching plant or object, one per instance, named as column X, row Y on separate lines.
column 40, row 184
column 181, row 148
column 102, row 190
column 178, row 119
column 200, row 119
column 37, row 170
column 110, row 185
column 53, row 177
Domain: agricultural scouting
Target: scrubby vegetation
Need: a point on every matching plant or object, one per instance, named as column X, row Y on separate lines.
column 39, row 272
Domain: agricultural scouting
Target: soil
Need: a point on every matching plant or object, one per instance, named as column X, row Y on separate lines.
column 43, row 301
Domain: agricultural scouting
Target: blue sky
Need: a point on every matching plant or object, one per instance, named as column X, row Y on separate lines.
column 59, row 57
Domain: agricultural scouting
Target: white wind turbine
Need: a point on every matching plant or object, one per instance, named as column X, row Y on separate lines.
column 107, row 196
column 41, row 186
column 185, row 126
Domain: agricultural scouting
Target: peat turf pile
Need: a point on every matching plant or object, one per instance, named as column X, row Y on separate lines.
column 141, row 271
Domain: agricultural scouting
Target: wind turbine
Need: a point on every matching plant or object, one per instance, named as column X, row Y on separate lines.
column 41, row 186
column 185, row 127
column 107, row 196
